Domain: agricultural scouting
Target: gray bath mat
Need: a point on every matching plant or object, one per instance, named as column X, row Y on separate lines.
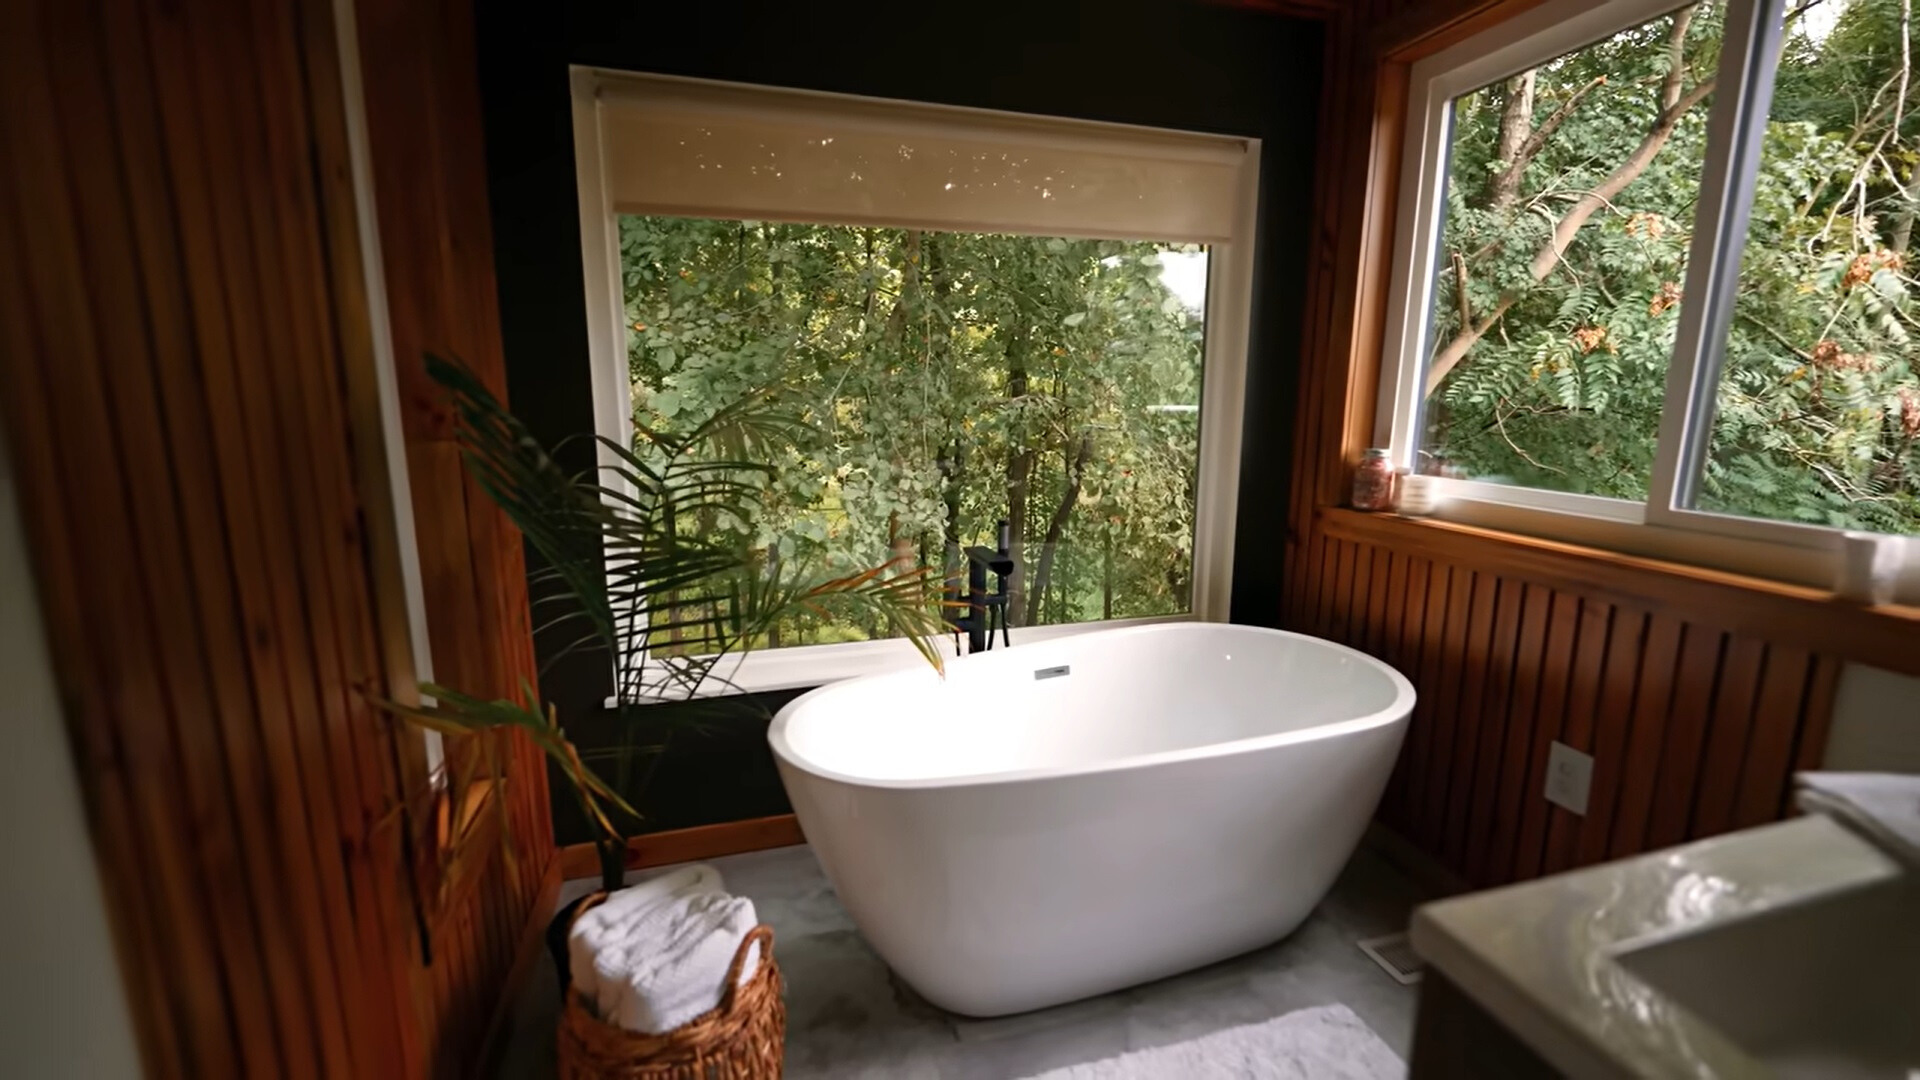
column 1325, row 1043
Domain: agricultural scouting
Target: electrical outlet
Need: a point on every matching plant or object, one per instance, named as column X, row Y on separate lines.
column 1569, row 777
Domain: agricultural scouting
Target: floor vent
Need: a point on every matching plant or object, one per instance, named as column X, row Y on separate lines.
column 1396, row 957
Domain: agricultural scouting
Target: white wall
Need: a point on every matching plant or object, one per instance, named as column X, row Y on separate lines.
column 62, row 1010
column 1876, row 722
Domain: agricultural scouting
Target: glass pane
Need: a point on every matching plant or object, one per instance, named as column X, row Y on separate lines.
column 943, row 381
column 1569, row 203
column 1819, row 404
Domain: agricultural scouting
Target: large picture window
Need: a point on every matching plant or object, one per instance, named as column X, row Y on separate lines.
column 975, row 317
column 1652, row 285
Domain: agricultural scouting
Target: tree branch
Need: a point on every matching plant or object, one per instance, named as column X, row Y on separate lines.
column 1460, row 289
column 1076, row 472
column 1777, row 336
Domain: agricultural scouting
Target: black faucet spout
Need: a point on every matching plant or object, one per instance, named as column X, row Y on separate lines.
column 984, row 609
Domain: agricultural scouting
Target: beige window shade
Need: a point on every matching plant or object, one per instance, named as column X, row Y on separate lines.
column 698, row 149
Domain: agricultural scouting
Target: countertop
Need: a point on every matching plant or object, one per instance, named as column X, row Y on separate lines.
column 1540, row 956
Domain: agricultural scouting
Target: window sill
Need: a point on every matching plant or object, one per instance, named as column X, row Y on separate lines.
column 1886, row 636
column 806, row 666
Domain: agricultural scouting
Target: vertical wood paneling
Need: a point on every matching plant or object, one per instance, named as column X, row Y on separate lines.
column 1472, row 601
column 1482, row 703
column 1407, row 658
column 1339, row 603
column 1433, row 661
column 1646, row 739
column 1578, row 839
column 425, row 137
column 1693, row 731
column 1810, row 745
column 1725, row 751
column 1781, row 701
column 1576, row 730
column 1394, row 612
column 185, row 354
column 1679, row 770
column 1564, row 628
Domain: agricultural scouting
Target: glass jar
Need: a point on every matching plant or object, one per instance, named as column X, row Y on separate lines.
column 1373, row 483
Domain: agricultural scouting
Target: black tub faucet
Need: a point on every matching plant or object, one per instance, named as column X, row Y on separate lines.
column 984, row 610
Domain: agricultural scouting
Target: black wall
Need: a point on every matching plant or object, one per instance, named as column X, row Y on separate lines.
column 1166, row 63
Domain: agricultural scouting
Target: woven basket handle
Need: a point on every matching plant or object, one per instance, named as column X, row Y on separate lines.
column 763, row 936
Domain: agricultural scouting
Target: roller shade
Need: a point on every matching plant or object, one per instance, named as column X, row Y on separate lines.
column 693, row 148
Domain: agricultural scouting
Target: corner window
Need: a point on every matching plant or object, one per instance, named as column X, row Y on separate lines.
column 1651, row 287
column 975, row 317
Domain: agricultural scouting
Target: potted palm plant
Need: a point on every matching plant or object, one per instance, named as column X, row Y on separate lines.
column 634, row 569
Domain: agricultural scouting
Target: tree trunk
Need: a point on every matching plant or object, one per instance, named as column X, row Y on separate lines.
column 1019, row 475
column 1902, row 235
column 1504, row 187
column 1076, row 471
column 909, row 290
column 1106, row 576
column 866, row 307
column 1516, row 123
column 900, row 547
column 773, row 573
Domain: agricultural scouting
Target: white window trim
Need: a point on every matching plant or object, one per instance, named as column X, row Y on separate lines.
column 1662, row 526
column 1223, row 381
column 393, row 444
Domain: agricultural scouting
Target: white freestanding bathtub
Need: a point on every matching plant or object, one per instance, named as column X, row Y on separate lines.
column 1065, row 818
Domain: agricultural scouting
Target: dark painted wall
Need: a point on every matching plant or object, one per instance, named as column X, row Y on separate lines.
column 1167, row 63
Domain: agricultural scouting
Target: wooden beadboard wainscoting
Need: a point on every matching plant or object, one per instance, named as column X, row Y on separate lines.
column 188, row 386
column 428, row 163
column 1698, row 693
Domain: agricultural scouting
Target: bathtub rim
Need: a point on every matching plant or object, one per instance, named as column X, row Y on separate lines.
column 1398, row 711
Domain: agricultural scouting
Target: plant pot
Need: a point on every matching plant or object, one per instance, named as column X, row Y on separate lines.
column 613, row 855
column 557, row 940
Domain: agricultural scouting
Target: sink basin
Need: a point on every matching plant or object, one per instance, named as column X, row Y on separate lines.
column 1826, row 988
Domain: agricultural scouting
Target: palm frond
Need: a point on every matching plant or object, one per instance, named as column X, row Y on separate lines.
column 626, row 549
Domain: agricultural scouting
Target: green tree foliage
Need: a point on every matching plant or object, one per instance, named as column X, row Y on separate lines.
column 1570, row 204
column 945, row 381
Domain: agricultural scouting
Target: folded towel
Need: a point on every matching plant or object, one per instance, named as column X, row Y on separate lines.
column 661, row 982
column 630, row 914
column 1883, row 807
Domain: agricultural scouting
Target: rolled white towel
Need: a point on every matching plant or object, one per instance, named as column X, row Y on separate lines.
column 664, row 981
column 634, row 913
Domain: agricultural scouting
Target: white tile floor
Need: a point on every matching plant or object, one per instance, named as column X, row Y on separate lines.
column 848, row 1017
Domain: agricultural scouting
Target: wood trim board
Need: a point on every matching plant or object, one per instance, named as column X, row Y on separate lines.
column 685, row 845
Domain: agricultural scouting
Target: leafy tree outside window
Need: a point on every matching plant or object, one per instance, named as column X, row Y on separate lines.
column 945, row 380
column 1570, row 199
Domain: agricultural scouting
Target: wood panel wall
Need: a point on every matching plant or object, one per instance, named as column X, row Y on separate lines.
column 1698, row 693
column 186, row 378
column 423, row 122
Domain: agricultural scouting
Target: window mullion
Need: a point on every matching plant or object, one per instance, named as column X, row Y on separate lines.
column 1743, row 93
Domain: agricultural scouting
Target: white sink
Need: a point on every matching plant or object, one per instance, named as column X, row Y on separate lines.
column 1790, row 950
column 1828, row 988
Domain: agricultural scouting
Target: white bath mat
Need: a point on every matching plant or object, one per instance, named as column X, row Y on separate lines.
column 1325, row 1043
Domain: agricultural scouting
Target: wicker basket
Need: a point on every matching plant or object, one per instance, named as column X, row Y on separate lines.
column 742, row 1038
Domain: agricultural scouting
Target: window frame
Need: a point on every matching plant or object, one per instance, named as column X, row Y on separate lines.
column 1662, row 525
column 1229, row 300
